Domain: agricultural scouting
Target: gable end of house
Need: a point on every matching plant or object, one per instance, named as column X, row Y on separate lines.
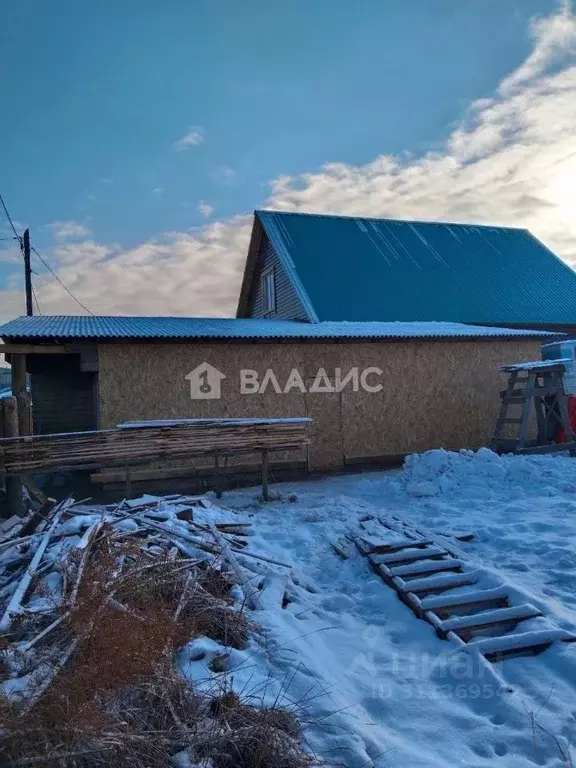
column 263, row 262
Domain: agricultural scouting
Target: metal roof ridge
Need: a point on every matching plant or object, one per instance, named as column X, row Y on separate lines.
column 267, row 211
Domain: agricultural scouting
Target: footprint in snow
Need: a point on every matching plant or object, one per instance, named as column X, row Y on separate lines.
column 517, row 566
column 337, row 603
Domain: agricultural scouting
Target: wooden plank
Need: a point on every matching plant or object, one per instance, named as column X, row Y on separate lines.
column 185, row 470
column 420, row 570
column 504, row 618
column 388, row 548
column 154, row 443
column 405, row 556
column 451, row 605
column 552, row 448
column 531, row 649
column 422, row 588
column 36, row 349
column 265, row 496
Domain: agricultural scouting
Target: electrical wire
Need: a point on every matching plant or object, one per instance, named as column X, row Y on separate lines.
column 68, row 291
column 48, row 267
column 36, row 300
column 10, row 220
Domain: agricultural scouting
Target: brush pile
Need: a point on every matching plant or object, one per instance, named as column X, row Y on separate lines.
column 97, row 607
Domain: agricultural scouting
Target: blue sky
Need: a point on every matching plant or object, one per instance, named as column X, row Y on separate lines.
column 100, row 95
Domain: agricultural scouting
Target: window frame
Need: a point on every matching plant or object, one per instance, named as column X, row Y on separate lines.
column 268, row 282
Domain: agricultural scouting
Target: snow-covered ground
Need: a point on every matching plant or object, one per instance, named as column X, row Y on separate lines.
column 379, row 687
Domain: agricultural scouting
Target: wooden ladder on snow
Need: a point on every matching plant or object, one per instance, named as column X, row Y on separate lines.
column 533, row 388
column 428, row 571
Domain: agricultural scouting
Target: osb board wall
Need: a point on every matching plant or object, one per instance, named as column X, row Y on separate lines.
column 435, row 394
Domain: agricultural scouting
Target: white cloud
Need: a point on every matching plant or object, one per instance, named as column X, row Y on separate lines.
column 511, row 160
column 205, row 209
column 68, row 230
column 182, row 273
column 158, row 191
column 193, row 138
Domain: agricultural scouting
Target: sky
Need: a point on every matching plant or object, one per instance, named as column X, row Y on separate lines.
column 138, row 137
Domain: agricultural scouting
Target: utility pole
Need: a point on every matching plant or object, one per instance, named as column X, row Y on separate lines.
column 27, row 272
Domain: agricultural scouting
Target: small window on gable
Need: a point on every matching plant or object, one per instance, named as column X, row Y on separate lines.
column 268, row 292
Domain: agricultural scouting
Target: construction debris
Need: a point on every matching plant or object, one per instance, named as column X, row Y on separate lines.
column 96, row 605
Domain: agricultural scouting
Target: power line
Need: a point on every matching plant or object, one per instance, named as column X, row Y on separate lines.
column 68, row 291
column 48, row 267
column 10, row 220
column 36, row 300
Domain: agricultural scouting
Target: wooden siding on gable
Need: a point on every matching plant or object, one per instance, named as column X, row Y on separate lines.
column 288, row 304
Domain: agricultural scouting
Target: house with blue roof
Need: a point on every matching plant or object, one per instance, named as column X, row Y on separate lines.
column 313, row 267
column 389, row 335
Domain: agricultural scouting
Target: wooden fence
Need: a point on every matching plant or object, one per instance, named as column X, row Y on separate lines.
column 141, row 442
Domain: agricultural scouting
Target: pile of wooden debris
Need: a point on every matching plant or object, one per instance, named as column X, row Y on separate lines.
column 95, row 602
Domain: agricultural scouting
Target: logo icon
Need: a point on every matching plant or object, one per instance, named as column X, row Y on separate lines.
column 205, row 382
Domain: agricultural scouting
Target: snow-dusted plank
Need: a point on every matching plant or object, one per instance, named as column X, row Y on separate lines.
column 474, row 597
column 18, row 595
column 520, row 641
column 532, row 365
column 486, row 618
column 378, row 545
column 408, row 555
column 420, row 568
column 441, row 582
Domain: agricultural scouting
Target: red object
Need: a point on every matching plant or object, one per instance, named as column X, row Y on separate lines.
column 571, row 402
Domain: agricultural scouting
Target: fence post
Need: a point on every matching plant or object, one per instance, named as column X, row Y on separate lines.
column 24, row 413
column 265, row 495
column 14, row 486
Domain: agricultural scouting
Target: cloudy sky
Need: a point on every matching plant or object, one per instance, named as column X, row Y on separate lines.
column 138, row 137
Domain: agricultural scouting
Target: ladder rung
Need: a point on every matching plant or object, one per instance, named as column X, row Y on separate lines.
column 496, row 648
column 508, row 420
column 465, row 626
column 383, row 547
column 423, row 568
column 441, row 583
column 405, row 556
column 446, row 605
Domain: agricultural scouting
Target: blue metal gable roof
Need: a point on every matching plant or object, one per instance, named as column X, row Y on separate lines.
column 65, row 328
column 382, row 269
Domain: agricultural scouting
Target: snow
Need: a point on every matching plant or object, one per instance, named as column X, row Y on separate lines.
column 378, row 686
column 533, row 365
column 373, row 684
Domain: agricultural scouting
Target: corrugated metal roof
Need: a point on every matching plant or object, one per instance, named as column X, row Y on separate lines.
column 389, row 270
column 72, row 328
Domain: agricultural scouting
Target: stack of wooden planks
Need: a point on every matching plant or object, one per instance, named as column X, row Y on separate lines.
column 140, row 442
